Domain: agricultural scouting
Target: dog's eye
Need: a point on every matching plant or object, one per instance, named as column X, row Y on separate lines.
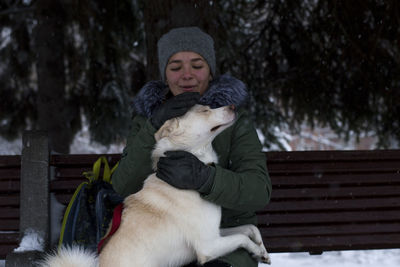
column 205, row 110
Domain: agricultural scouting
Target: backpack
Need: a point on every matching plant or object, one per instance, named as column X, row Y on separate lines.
column 90, row 209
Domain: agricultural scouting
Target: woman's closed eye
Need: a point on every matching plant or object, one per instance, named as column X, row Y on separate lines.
column 174, row 66
column 197, row 67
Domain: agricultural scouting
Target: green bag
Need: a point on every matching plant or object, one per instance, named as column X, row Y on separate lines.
column 90, row 209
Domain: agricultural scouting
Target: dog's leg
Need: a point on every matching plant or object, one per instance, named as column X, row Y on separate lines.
column 248, row 229
column 253, row 233
column 208, row 250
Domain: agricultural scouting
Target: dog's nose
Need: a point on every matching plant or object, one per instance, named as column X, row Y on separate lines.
column 232, row 107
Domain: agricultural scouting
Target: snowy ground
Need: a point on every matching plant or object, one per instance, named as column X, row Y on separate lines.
column 363, row 258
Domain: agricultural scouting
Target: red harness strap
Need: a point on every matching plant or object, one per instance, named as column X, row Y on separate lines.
column 116, row 221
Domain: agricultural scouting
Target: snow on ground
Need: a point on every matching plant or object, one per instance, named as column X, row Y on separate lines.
column 83, row 145
column 361, row 258
column 10, row 147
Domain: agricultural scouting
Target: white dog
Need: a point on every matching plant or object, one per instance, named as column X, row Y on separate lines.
column 165, row 226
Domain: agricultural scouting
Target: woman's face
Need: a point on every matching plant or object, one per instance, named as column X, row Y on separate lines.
column 187, row 72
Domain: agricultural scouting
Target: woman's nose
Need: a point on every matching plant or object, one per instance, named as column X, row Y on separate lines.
column 187, row 73
column 187, row 76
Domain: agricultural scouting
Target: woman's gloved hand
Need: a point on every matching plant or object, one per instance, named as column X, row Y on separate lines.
column 183, row 170
column 174, row 107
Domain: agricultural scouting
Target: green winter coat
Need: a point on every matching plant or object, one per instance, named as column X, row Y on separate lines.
column 241, row 184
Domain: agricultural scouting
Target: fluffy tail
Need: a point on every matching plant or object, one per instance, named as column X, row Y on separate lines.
column 70, row 257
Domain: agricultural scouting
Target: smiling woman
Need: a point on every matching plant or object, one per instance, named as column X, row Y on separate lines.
column 187, row 72
column 239, row 182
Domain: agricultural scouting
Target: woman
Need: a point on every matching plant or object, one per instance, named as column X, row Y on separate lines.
column 239, row 183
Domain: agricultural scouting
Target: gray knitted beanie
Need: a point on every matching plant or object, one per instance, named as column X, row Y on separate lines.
column 185, row 39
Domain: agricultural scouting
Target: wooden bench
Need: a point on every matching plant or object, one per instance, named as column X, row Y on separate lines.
column 332, row 200
column 9, row 203
column 321, row 200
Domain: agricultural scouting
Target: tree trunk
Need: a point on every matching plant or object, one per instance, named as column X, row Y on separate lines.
column 49, row 46
column 162, row 15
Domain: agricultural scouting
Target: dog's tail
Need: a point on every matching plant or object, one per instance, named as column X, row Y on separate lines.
column 70, row 257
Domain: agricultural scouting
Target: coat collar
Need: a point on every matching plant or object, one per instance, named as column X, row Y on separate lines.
column 223, row 90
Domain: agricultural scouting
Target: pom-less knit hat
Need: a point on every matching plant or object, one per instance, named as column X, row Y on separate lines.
column 185, row 39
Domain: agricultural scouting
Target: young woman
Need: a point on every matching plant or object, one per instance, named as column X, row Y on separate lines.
column 239, row 183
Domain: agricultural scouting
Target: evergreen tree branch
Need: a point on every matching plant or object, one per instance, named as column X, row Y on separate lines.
column 14, row 10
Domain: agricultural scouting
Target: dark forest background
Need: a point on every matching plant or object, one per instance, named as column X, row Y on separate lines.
column 332, row 63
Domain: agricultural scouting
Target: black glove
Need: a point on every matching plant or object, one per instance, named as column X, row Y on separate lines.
column 183, row 170
column 174, row 107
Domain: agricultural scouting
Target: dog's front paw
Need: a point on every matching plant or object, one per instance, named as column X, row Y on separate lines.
column 266, row 259
column 263, row 256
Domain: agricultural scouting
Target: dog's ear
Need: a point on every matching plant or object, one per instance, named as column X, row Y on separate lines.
column 167, row 128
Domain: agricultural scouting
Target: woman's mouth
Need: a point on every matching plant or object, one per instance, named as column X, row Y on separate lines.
column 188, row 88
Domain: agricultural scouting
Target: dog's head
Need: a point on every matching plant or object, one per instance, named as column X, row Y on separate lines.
column 195, row 130
column 200, row 125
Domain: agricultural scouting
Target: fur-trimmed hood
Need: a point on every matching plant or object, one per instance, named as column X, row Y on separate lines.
column 223, row 90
